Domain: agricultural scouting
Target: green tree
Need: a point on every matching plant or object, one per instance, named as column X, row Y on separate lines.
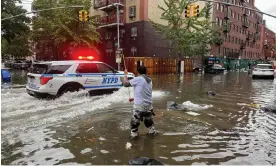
column 191, row 36
column 14, row 32
column 62, row 25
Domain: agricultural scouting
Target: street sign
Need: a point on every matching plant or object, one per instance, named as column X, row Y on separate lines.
column 118, row 58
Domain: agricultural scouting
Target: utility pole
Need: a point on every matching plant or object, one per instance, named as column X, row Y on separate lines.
column 118, row 33
column 230, row 4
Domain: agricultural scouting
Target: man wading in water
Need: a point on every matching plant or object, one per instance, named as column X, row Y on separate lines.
column 142, row 109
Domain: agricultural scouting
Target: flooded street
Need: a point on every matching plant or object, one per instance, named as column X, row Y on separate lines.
column 78, row 129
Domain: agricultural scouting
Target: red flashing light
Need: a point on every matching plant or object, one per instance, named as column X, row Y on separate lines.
column 88, row 57
column 44, row 80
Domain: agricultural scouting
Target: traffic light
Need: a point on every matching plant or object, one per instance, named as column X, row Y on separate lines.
column 86, row 16
column 188, row 11
column 195, row 10
column 81, row 15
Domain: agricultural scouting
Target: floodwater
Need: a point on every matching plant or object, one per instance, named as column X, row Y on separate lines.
column 78, row 129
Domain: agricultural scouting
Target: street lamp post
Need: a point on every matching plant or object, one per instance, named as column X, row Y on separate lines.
column 118, row 33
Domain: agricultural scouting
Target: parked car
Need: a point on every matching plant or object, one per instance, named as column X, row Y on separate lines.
column 263, row 70
column 214, row 68
column 19, row 64
column 8, row 63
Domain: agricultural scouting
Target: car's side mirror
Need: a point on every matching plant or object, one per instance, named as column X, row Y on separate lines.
column 115, row 71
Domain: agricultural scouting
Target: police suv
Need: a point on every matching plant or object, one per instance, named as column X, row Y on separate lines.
column 53, row 79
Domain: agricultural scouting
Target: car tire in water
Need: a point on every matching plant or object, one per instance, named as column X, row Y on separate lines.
column 69, row 87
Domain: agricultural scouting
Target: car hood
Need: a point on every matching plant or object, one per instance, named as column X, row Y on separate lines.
column 129, row 73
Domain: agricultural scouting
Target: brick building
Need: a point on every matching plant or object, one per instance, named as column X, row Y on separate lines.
column 137, row 37
column 269, row 44
column 242, row 31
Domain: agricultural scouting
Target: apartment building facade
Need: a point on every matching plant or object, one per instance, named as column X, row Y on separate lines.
column 242, row 31
column 269, row 44
column 137, row 36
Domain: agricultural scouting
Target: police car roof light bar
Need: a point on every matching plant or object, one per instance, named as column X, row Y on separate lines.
column 83, row 57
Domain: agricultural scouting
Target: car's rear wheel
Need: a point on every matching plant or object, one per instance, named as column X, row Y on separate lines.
column 70, row 87
column 253, row 76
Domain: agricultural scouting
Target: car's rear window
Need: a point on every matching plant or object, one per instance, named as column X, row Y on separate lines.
column 57, row 69
column 264, row 67
column 49, row 69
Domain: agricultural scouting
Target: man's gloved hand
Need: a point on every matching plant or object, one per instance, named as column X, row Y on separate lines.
column 152, row 112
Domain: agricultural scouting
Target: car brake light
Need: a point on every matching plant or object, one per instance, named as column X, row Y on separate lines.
column 80, row 57
column 44, row 80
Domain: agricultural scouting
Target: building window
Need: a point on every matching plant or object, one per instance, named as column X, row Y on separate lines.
column 133, row 51
column 233, row 39
column 133, row 32
column 234, row 14
column 108, row 35
column 217, row 21
column 108, row 52
column 231, row 13
column 236, row 41
column 218, row 6
column 220, row 22
column 238, row 16
column 222, row 8
column 122, row 33
column 132, row 11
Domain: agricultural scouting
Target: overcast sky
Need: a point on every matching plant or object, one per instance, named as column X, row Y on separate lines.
column 267, row 6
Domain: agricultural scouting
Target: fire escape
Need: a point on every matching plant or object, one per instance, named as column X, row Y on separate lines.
column 113, row 18
column 245, row 26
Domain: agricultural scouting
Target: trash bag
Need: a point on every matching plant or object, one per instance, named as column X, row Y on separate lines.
column 144, row 161
column 269, row 108
column 171, row 105
column 211, row 93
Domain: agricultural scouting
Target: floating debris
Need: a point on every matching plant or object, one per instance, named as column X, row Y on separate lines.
column 191, row 106
column 144, row 161
column 161, row 157
column 193, row 113
column 211, row 93
column 86, row 150
column 175, row 133
column 104, row 151
column 102, row 139
column 89, row 129
column 128, row 145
